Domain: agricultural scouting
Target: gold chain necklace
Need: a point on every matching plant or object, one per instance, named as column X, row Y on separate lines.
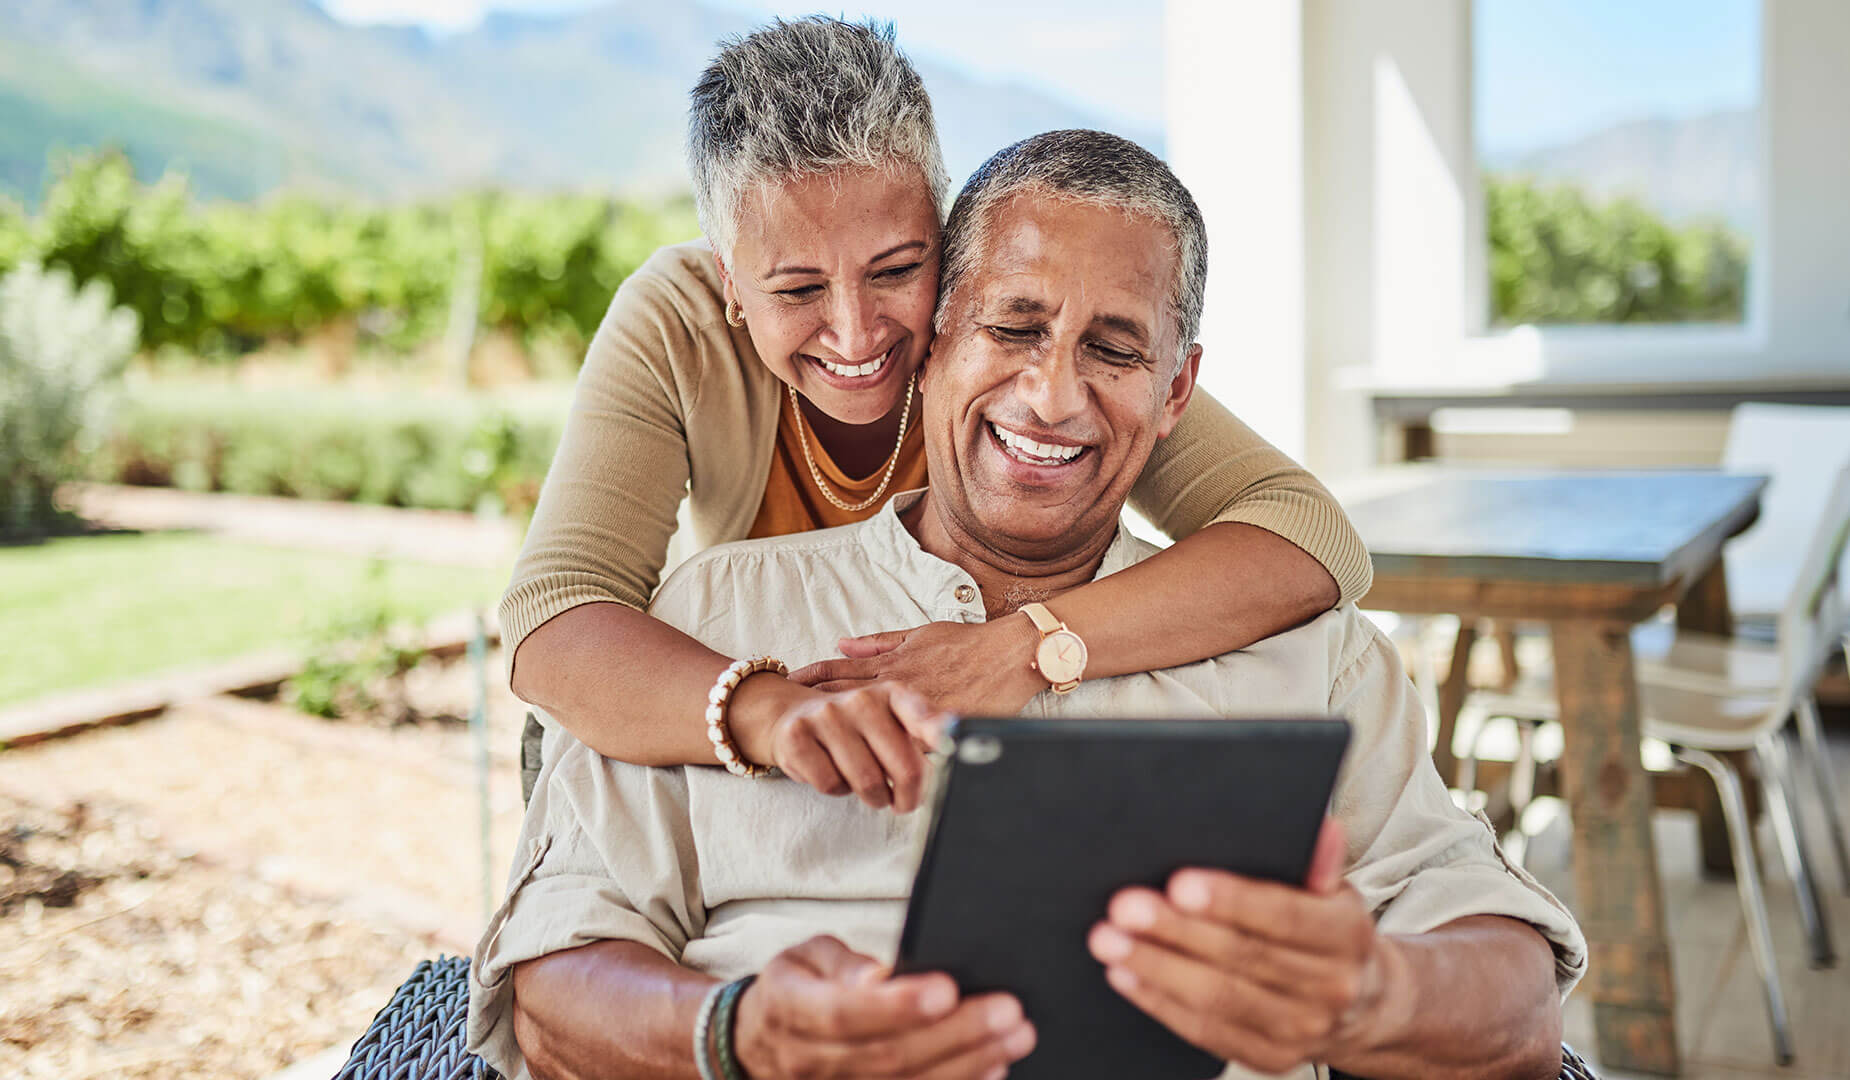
column 891, row 463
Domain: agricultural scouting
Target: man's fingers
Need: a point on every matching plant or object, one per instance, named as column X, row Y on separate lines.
column 1253, row 1049
column 825, row 956
column 872, row 644
column 1335, row 922
column 823, row 671
column 851, row 1011
column 1148, row 915
column 980, row 1034
column 1227, row 997
column 1326, row 861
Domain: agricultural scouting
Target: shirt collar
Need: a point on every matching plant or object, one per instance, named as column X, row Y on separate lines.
column 892, row 545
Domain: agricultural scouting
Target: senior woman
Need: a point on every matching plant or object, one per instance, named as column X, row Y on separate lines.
column 770, row 378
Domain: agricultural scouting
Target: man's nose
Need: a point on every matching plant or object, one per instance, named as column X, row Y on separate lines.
column 853, row 329
column 1051, row 387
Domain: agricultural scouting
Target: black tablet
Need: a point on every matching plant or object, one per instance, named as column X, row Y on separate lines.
column 1038, row 822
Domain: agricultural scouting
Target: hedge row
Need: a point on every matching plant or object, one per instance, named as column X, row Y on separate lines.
column 431, row 451
column 220, row 279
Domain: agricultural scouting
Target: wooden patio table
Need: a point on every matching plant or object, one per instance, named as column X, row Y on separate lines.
column 1591, row 553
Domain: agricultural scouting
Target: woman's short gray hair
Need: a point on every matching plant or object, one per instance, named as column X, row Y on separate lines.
column 1086, row 166
column 800, row 97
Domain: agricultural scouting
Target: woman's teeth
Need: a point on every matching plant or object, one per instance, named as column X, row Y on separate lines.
column 855, row 371
column 1025, row 449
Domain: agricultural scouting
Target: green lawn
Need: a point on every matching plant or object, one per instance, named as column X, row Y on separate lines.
column 87, row 611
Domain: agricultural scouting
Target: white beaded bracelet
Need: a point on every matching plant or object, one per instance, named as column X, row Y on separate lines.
column 718, row 698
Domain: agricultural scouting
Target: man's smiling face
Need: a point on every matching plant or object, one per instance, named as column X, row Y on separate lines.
column 1053, row 375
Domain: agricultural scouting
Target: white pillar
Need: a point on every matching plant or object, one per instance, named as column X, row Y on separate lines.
column 1234, row 102
column 1801, row 265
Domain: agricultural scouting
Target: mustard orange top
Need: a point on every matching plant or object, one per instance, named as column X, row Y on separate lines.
column 792, row 504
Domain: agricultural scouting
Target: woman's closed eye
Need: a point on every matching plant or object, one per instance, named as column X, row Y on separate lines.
column 800, row 292
column 897, row 273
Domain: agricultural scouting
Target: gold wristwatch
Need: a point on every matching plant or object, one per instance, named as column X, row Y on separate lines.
column 1061, row 656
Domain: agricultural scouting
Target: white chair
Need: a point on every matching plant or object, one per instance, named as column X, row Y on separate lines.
column 1705, row 695
column 1801, row 447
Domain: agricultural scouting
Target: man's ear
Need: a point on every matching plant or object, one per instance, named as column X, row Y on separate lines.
column 1181, row 388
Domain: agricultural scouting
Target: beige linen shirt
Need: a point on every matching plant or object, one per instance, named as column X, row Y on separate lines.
column 721, row 873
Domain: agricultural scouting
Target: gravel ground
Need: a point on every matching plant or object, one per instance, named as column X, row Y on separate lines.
column 229, row 888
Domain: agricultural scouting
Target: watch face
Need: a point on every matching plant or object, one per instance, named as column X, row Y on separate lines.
column 1061, row 657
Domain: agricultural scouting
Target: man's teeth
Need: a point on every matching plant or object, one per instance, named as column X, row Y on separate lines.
column 1038, row 453
column 853, row 371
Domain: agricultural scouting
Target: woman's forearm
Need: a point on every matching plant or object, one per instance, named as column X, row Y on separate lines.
column 610, row 1009
column 635, row 689
column 1211, row 592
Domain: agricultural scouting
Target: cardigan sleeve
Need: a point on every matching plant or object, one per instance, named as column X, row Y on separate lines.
column 601, row 528
column 1213, row 468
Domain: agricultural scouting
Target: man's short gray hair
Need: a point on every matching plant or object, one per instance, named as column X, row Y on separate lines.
column 1085, row 166
column 801, row 97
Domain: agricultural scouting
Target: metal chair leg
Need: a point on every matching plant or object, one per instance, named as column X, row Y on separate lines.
column 1811, row 737
column 1776, row 776
column 1753, row 898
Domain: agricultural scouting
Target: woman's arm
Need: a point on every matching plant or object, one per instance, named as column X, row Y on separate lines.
column 636, row 688
column 1263, row 548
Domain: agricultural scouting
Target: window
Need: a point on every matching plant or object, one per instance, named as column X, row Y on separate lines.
column 1620, row 151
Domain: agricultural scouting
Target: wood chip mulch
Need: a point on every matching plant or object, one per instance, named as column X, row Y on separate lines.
column 124, row 957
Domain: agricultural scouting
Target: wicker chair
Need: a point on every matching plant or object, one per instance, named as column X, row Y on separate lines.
column 419, row 1034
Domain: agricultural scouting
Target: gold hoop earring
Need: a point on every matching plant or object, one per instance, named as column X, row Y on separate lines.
column 735, row 315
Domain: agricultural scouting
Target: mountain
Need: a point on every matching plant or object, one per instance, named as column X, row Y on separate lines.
column 1704, row 165
column 247, row 96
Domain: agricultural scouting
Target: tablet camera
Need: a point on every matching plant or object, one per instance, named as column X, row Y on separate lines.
column 979, row 749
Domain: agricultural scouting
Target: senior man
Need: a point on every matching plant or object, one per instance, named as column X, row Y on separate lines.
column 1074, row 267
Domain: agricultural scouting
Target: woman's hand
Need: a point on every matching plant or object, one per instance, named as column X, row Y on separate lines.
column 974, row 668
column 869, row 739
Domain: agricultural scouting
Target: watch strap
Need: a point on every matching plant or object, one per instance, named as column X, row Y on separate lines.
column 1043, row 620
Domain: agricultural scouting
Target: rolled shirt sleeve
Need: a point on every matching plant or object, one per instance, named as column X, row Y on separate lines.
column 607, row 853
column 1418, row 860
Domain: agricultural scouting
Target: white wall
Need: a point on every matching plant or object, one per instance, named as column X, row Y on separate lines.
column 1244, row 165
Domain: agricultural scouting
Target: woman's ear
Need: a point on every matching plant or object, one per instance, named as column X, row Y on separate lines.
column 727, row 293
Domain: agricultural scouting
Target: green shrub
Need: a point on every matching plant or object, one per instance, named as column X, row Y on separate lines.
column 220, row 280
column 62, row 349
column 359, row 662
column 439, row 452
column 1556, row 256
column 15, row 235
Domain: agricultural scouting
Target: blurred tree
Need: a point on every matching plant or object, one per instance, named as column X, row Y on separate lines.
column 61, row 350
column 1557, row 257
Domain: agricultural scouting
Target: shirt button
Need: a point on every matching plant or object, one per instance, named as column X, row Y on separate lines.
column 964, row 594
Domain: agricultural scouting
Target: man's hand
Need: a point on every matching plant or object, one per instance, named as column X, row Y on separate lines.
column 870, row 740
column 1263, row 974
column 959, row 667
column 819, row 1010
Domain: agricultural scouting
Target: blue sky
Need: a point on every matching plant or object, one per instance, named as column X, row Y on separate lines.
column 1547, row 70
column 1551, row 70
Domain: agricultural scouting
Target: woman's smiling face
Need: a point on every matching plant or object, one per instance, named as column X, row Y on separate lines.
column 837, row 274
